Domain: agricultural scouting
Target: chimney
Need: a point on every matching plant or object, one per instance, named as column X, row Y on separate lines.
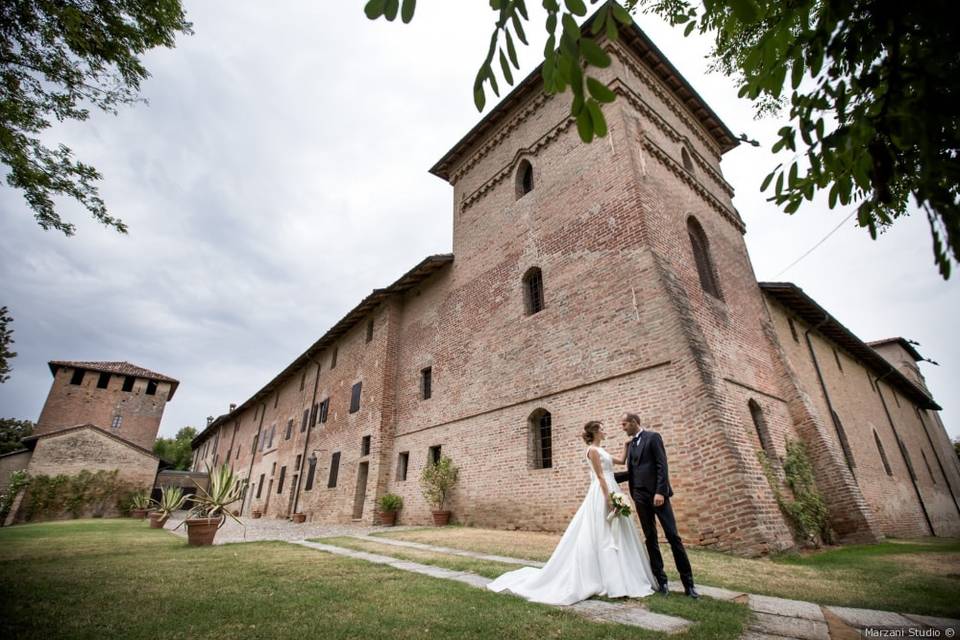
column 233, row 406
column 209, row 420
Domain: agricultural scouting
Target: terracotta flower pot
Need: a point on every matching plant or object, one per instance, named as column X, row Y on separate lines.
column 157, row 520
column 299, row 518
column 256, row 514
column 388, row 518
column 138, row 513
column 201, row 531
column 441, row 518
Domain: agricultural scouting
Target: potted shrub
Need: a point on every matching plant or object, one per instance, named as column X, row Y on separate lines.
column 171, row 499
column 436, row 481
column 299, row 517
column 139, row 505
column 212, row 507
column 389, row 504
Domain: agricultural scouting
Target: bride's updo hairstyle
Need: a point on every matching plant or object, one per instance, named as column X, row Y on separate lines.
column 590, row 431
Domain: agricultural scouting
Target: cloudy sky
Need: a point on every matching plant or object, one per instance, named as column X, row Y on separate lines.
column 279, row 173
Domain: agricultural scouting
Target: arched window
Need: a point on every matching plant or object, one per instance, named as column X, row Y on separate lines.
column 762, row 431
column 701, row 254
column 687, row 162
column 541, row 439
column 883, row 454
column 533, row 291
column 524, row 178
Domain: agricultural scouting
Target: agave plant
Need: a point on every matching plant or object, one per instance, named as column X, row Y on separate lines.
column 140, row 502
column 225, row 489
column 171, row 499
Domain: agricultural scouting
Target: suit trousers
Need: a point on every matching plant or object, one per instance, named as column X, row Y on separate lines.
column 648, row 514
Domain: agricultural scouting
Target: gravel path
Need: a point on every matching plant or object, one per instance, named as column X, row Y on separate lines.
column 276, row 529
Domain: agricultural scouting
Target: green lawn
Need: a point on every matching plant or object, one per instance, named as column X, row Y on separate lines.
column 910, row 576
column 120, row 579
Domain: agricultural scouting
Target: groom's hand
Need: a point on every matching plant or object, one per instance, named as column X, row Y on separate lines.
column 658, row 500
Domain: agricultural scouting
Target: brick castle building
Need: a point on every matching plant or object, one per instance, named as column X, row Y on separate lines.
column 98, row 416
column 587, row 280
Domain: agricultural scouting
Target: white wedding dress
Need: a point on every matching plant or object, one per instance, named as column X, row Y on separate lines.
column 594, row 556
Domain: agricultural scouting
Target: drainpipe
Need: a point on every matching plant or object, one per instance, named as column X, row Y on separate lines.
column 943, row 471
column 903, row 453
column 823, row 388
column 306, row 440
column 263, row 410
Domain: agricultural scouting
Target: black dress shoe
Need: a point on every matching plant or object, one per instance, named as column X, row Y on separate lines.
column 663, row 589
column 692, row 592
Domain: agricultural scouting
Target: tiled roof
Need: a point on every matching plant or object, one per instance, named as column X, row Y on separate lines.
column 794, row 298
column 426, row 268
column 903, row 342
column 120, row 368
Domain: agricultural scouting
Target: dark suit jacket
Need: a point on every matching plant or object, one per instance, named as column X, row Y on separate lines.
column 647, row 466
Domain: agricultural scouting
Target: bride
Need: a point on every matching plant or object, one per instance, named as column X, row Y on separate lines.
column 595, row 556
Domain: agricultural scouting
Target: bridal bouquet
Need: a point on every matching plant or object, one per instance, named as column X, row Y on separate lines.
column 620, row 506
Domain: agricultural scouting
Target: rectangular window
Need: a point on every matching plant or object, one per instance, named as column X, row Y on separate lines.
column 323, row 410
column 255, row 438
column 433, row 456
column 355, row 398
column 369, row 329
column 305, row 420
column 273, row 470
column 426, row 383
column 260, row 486
column 334, row 469
column 276, row 399
column 297, row 466
column 333, row 359
column 103, row 381
column 151, row 387
column 289, row 429
column 273, row 432
column 116, row 422
column 283, row 474
column 793, row 330
column 303, row 377
column 313, row 414
column 402, row 461
column 128, row 383
column 365, row 446
column 311, row 470
column 77, row 377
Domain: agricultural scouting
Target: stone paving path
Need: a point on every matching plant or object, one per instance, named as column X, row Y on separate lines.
column 774, row 618
column 630, row 613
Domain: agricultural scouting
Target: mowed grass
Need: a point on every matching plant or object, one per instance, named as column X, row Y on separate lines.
column 713, row 619
column 910, row 576
column 120, row 579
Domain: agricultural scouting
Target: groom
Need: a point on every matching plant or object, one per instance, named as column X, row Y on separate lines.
column 649, row 484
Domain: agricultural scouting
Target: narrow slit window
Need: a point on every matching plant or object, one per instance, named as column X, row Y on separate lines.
column 426, row 383
column 365, row 446
column 369, row 329
column 355, row 398
column 402, row 461
column 283, row 475
column 687, row 161
column 541, row 427
column 334, row 470
column 433, row 454
column 793, row 330
column 883, row 454
column 333, row 358
column 289, row 429
column 311, row 471
column 701, row 256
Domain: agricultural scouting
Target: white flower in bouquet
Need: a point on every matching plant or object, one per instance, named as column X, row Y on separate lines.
column 620, row 506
